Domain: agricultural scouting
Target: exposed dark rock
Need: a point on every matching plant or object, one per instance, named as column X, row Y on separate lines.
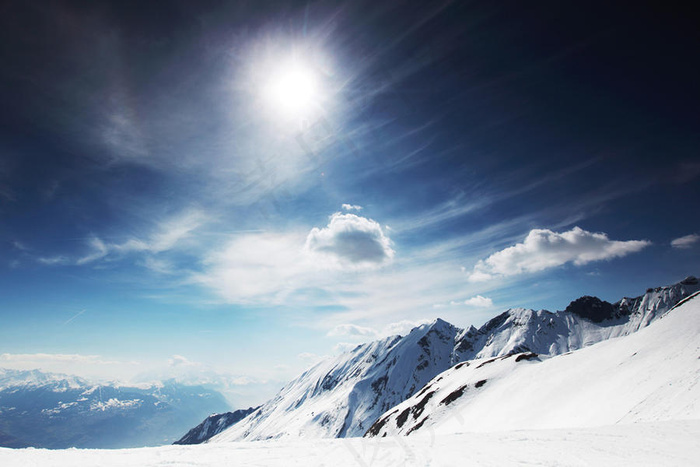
column 213, row 425
column 417, row 426
column 379, row 384
column 422, row 391
column 494, row 323
column 378, row 425
column 480, row 383
column 403, row 416
column 454, row 395
column 487, row 362
column 690, row 280
column 526, row 356
column 592, row 309
column 419, row 407
column 329, row 382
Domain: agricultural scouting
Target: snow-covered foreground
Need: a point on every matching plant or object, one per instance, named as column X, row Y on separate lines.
column 643, row 444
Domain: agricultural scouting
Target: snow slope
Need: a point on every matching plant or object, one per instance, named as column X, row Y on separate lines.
column 344, row 396
column 641, row 445
column 213, row 425
column 648, row 376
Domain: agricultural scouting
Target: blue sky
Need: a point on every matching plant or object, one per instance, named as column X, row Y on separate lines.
column 223, row 192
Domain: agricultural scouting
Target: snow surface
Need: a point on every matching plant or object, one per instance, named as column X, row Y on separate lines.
column 643, row 444
column 648, row 376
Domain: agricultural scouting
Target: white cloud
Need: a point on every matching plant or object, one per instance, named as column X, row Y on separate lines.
column 180, row 361
column 403, row 327
column 358, row 334
column 685, row 242
column 175, row 230
column 166, row 236
column 479, row 301
column 258, row 267
column 352, row 207
column 475, row 302
column 310, row 358
column 342, row 347
column 351, row 241
column 90, row 366
column 543, row 249
column 53, row 260
column 268, row 267
column 352, row 330
column 99, row 250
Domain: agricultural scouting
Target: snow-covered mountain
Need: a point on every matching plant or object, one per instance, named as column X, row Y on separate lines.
column 585, row 321
column 213, row 425
column 345, row 395
column 57, row 411
column 649, row 376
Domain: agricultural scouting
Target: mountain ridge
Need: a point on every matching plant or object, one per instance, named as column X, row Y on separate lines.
column 213, row 425
column 648, row 376
column 343, row 396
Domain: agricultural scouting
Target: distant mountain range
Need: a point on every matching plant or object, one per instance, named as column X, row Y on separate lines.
column 345, row 396
column 58, row 411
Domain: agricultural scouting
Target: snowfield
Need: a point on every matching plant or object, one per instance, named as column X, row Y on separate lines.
column 644, row 444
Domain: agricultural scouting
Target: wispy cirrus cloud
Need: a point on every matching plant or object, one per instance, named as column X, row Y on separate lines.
column 167, row 235
column 474, row 302
column 686, row 241
column 544, row 249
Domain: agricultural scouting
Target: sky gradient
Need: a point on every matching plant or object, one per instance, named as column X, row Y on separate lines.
column 227, row 191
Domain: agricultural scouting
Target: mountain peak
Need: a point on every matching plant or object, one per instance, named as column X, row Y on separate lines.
column 591, row 308
column 344, row 396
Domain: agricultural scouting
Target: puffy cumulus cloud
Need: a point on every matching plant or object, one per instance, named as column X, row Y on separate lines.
column 685, row 242
column 352, row 207
column 479, row 301
column 543, row 249
column 350, row 241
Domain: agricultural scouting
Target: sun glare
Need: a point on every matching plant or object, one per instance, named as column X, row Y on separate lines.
column 293, row 90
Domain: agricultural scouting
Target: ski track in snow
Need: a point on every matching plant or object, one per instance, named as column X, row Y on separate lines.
column 644, row 444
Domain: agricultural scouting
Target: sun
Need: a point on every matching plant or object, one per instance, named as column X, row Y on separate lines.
column 292, row 90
